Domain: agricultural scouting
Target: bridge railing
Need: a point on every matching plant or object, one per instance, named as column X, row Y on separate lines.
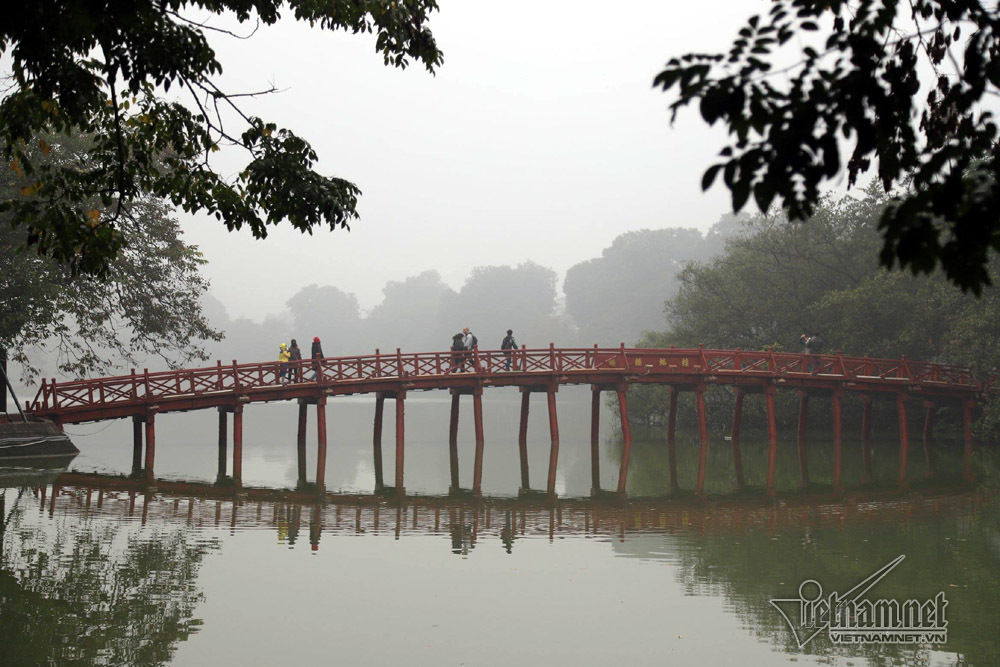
column 144, row 387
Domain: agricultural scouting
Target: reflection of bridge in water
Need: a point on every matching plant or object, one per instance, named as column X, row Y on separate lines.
column 228, row 388
column 467, row 518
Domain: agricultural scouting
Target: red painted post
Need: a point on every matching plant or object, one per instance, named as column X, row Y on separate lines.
column 967, row 408
column 300, row 441
column 238, row 444
column 699, row 395
column 904, row 436
column 400, row 434
column 554, row 433
column 672, row 440
column 627, row 436
column 453, row 441
column 772, row 438
column 223, row 442
column 522, row 439
column 929, row 407
column 595, row 427
column 838, row 440
column 735, row 438
column 477, row 467
column 150, row 443
column 866, row 432
column 136, row 445
column 377, row 440
column 321, row 443
column 801, row 438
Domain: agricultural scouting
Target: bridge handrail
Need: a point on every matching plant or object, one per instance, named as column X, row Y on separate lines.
column 146, row 386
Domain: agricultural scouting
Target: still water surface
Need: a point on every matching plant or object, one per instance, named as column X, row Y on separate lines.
column 95, row 575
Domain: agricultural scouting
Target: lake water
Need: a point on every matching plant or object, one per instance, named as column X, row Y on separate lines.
column 93, row 573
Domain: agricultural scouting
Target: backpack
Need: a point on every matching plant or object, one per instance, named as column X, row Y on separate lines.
column 475, row 341
column 816, row 344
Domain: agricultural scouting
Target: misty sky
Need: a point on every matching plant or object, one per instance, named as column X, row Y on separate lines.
column 540, row 138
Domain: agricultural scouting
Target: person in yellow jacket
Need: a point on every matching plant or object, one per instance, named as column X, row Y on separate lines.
column 283, row 357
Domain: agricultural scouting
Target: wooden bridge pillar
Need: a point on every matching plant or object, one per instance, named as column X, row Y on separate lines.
column 772, row 438
column 377, row 441
column 136, row 445
column 522, row 438
column 735, row 439
column 477, row 466
column 838, row 439
column 672, row 439
column 400, row 435
column 967, row 408
column 554, row 433
column 223, row 443
column 626, row 436
column 800, row 441
column 929, row 407
column 595, row 427
column 866, row 432
column 453, row 440
column 150, row 443
column 300, row 442
column 904, row 436
column 699, row 395
column 238, row 444
column 321, row 443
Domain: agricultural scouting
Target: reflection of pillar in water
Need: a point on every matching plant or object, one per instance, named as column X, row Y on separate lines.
column 315, row 526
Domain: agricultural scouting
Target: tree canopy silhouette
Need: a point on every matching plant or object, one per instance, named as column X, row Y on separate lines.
column 106, row 68
column 887, row 84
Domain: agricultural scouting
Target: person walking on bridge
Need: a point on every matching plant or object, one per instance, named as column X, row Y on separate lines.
column 283, row 357
column 457, row 353
column 295, row 355
column 508, row 345
column 316, row 353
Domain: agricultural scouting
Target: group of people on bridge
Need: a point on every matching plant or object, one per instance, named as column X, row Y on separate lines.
column 464, row 344
column 288, row 354
column 463, row 347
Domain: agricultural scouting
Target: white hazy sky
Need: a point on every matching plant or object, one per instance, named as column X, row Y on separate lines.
column 540, row 138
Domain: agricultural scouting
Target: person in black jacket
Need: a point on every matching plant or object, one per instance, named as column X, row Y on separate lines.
column 316, row 353
column 508, row 346
column 458, row 353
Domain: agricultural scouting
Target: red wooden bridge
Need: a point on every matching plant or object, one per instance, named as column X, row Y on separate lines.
column 228, row 388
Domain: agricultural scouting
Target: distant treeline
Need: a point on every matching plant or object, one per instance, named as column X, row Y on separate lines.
column 608, row 300
column 776, row 280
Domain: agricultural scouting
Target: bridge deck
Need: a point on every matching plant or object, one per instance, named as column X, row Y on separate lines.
column 227, row 384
